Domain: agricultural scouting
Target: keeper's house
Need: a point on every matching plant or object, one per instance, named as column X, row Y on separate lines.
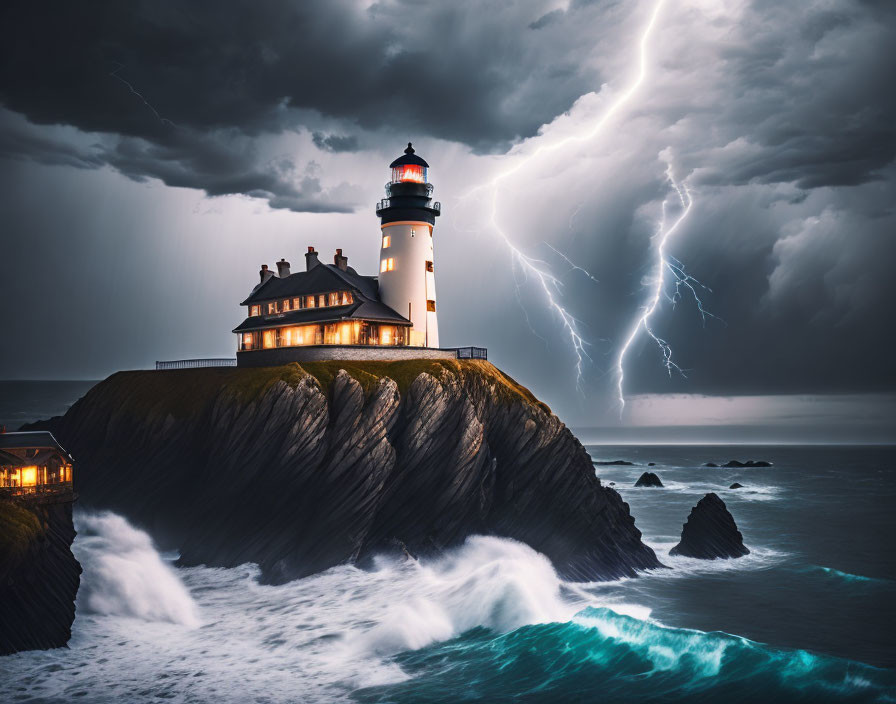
column 330, row 311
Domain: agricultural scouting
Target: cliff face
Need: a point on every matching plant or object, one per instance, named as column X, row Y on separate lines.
column 39, row 576
column 299, row 468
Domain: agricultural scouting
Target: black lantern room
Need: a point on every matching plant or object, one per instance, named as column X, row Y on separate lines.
column 409, row 194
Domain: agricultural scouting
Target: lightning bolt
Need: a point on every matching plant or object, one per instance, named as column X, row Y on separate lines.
column 163, row 120
column 664, row 263
column 549, row 284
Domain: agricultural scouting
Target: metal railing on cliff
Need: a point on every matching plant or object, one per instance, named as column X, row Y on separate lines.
column 195, row 363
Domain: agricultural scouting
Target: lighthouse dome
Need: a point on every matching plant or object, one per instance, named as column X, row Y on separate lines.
column 409, row 158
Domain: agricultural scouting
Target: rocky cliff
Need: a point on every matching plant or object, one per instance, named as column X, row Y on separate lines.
column 299, row 468
column 39, row 576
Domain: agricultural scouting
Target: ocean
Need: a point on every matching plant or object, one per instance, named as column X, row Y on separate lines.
column 808, row 616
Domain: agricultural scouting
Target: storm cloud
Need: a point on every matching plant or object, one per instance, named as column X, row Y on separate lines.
column 779, row 117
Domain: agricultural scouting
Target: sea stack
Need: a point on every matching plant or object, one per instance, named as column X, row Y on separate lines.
column 649, row 479
column 710, row 532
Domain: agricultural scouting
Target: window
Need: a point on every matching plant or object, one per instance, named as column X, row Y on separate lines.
column 254, row 310
column 272, row 308
column 387, row 264
column 286, row 305
column 333, row 299
column 321, row 301
column 268, row 339
column 296, row 303
column 429, row 266
column 431, row 306
column 387, row 241
column 346, row 298
column 309, row 302
column 247, row 341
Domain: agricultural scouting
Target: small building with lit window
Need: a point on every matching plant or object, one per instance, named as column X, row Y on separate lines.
column 330, row 311
column 33, row 463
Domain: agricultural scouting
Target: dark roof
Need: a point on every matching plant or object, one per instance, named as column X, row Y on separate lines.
column 321, row 279
column 408, row 158
column 359, row 310
column 29, row 439
column 8, row 460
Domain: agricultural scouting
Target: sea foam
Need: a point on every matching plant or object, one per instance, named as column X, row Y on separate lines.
column 124, row 575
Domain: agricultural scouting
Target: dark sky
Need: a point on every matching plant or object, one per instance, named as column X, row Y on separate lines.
column 154, row 154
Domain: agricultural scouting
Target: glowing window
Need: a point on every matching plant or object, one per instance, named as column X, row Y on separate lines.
column 29, row 476
column 268, row 339
column 309, row 303
column 286, row 305
column 333, row 299
column 255, row 310
column 346, row 298
column 431, row 306
column 247, row 341
column 429, row 266
column 387, row 264
column 321, row 301
column 272, row 308
column 391, row 262
column 296, row 303
column 387, row 241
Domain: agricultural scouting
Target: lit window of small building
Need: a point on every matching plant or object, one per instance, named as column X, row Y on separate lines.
column 255, row 311
column 387, row 242
column 430, row 306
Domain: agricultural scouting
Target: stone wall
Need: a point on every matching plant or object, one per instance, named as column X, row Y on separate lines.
column 318, row 353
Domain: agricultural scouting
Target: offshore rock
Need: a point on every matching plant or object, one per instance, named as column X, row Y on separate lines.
column 612, row 463
column 710, row 532
column 736, row 486
column 39, row 575
column 748, row 463
column 648, row 479
column 299, row 468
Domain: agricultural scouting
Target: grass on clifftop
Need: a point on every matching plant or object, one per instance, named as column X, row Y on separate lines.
column 19, row 528
column 187, row 390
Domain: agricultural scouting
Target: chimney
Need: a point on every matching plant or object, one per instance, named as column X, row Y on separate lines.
column 265, row 273
column 340, row 261
column 311, row 259
column 283, row 268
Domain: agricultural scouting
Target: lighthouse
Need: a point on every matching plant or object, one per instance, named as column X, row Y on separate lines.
column 407, row 270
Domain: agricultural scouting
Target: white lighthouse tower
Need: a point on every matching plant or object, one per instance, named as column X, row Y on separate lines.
column 407, row 271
